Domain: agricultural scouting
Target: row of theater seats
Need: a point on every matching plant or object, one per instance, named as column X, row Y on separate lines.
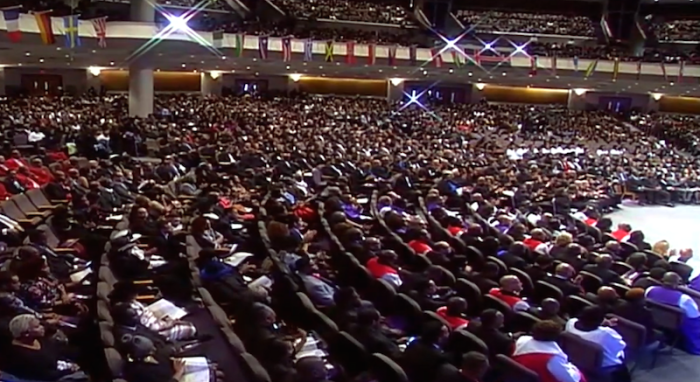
column 225, row 348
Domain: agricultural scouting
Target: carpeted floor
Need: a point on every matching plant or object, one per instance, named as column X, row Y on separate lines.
column 681, row 227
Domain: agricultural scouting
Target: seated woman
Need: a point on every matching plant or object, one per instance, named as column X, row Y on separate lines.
column 173, row 330
column 34, row 356
column 39, row 290
column 205, row 235
column 145, row 364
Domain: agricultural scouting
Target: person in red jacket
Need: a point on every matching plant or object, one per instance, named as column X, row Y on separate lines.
column 383, row 266
column 16, row 161
column 421, row 243
column 453, row 313
column 509, row 292
column 40, row 173
column 623, row 230
column 26, row 179
column 541, row 354
column 537, row 238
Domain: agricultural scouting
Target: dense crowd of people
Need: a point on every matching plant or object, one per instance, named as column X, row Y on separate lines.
column 456, row 242
column 667, row 55
column 677, row 30
column 383, row 12
column 490, row 21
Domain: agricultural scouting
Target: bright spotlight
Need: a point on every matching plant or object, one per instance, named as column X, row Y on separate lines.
column 178, row 23
column 396, row 81
column 656, row 96
column 94, row 70
column 480, row 86
column 488, row 46
column 295, row 77
column 215, row 74
column 579, row 92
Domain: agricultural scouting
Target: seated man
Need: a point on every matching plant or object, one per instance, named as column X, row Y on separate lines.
column 592, row 326
column 384, row 267
column 549, row 310
column 541, row 354
column 601, row 268
column 454, row 312
column 371, row 335
column 319, row 290
column 509, row 292
column 669, row 294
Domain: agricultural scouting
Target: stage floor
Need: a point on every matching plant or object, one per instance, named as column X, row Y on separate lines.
column 679, row 225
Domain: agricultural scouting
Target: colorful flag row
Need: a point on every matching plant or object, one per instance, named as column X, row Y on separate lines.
column 45, row 26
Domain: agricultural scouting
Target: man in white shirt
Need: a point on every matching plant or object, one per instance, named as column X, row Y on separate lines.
column 593, row 327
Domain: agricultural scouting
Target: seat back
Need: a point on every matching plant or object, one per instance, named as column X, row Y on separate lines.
column 10, row 209
column 511, row 371
column 621, row 268
column 470, row 292
column 492, row 302
column 38, row 198
column 386, row 370
column 666, row 317
column 545, row 290
column 683, row 270
column 590, row 282
column 350, row 353
column 586, row 355
column 462, row 341
column 528, row 286
column 573, row 305
column 252, row 367
column 634, row 334
column 24, row 204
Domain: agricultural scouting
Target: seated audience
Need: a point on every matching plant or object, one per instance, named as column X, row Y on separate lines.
column 541, row 353
column 509, row 292
column 669, row 294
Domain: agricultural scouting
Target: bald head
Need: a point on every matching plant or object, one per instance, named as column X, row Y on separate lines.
column 605, row 261
column 671, row 279
column 511, row 283
column 564, row 270
column 606, row 293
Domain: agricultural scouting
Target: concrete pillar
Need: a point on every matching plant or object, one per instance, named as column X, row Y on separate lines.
column 92, row 80
column 576, row 100
column 211, row 86
column 140, row 90
column 476, row 94
column 2, row 81
column 394, row 91
column 142, row 11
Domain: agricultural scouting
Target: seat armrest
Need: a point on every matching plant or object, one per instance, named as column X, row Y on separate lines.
column 59, row 201
column 143, row 282
column 64, row 250
column 38, row 214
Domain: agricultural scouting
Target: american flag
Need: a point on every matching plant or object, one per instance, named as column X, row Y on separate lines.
column 100, row 25
column 286, row 49
column 308, row 50
column 262, row 47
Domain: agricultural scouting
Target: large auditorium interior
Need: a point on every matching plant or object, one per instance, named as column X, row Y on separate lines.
column 349, row 190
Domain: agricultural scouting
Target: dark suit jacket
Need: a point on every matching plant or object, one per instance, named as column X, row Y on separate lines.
column 109, row 200
column 567, row 286
column 607, row 275
column 375, row 341
column 56, row 191
column 421, row 361
column 497, row 341
column 13, row 186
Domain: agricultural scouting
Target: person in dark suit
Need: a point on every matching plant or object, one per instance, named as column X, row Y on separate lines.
column 108, row 199
column 574, row 255
column 489, row 330
column 12, row 184
column 602, row 269
column 538, row 271
column 515, row 256
column 487, row 279
column 57, row 189
column 634, row 309
column 167, row 170
column 562, row 279
column 60, row 264
column 370, row 334
column 424, row 356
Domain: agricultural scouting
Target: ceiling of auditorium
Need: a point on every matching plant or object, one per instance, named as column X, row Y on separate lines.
column 173, row 55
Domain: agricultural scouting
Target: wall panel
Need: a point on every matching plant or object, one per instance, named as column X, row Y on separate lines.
column 508, row 94
column 118, row 80
column 343, row 86
column 682, row 105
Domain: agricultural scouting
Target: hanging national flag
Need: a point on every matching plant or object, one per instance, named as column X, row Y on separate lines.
column 350, row 52
column 616, row 68
column 11, row 16
column 43, row 21
column 286, row 49
column 681, row 68
column 70, row 27
column 533, row 66
column 329, row 51
column 554, row 64
column 262, row 47
column 100, row 26
column 371, row 54
column 392, row 55
column 238, row 49
column 436, row 54
column 457, row 58
column 576, row 64
column 663, row 70
column 639, row 70
column 309, row 50
column 413, row 55
column 217, row 39
column 591, row 68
